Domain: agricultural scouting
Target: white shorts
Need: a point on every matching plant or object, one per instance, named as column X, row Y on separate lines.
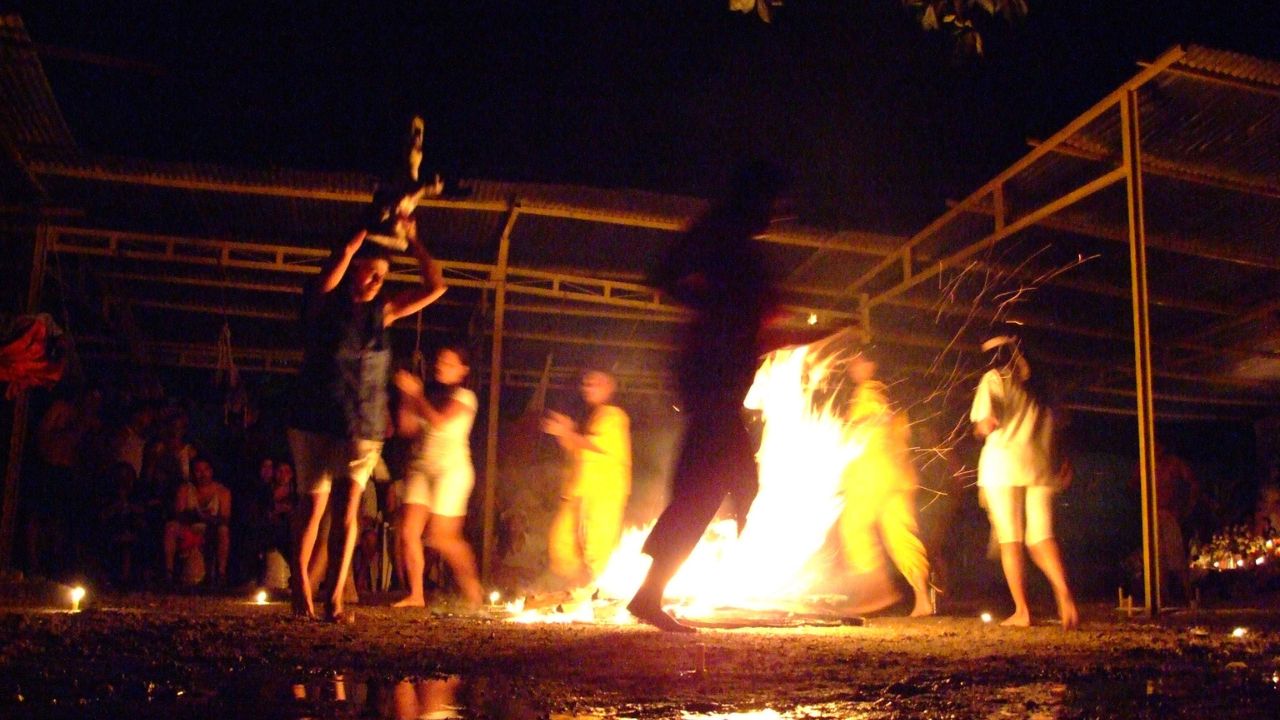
column 445, row 491
column 1020, row 513
column 320, row 459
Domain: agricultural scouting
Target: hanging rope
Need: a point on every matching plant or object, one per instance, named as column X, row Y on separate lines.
column 419, row 361
column 226, row 376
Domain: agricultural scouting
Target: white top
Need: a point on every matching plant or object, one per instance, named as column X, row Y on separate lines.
column 451, row 443
column 1019, row 451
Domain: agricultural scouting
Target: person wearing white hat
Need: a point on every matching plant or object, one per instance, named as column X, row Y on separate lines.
column 1018, row 474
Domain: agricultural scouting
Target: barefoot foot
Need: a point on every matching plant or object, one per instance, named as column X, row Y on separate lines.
column 923, row 607
column 1018, row 619
column 1068, row 613
column 652, row 613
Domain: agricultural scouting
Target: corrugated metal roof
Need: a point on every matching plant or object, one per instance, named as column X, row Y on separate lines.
column 1232, row 65
column 1210, row 154
column 1211, row 142
column 29, row 114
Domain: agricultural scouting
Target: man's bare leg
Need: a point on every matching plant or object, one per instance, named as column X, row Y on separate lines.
column 445, row 537
column 305, row 523
column 342, row 545
column 1049, row 559
column 413, row 520
column 1014, row 564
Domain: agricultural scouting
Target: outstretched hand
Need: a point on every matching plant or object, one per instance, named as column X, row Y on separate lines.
column 408, row 383
column 557, row 424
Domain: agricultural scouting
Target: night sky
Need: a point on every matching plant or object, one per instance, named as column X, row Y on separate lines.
column 876, row 117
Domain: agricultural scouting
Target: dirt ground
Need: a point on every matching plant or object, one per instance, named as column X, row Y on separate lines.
column 144, row 656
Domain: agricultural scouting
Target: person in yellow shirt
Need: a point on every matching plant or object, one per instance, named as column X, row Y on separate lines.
column 588, row 523
column 879, row 489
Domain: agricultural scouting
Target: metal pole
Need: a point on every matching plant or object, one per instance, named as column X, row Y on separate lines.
column 499, row 278
column 1132, row 147
column 21, row 405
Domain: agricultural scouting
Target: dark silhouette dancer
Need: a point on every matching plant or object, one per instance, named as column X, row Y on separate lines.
column 718, row 272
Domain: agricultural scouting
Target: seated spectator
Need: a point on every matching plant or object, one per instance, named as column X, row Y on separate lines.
column 155, row 491
column 284, row 492
column 202, row 509
column 367, row 561
column 1177, row 493
column 173, row 431
column 251, row 521
column 122, row 521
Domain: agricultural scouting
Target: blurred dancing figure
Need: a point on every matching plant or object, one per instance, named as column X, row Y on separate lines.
column 588, row 523
column 438, row 484
column 880, row 494
column 1018, row 474
column 339, row 419
column 719, row 273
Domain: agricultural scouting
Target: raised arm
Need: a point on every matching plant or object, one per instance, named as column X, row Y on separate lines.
column 410, row 301
column 335, row 268
column 411, row 394
column 565, row 431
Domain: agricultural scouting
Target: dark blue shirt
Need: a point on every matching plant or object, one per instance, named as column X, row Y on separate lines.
column 342, row 386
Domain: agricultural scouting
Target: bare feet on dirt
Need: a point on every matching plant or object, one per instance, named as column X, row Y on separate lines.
column 653, row 614
column 1018, row 619
column 923, row 607
column 1067, row 611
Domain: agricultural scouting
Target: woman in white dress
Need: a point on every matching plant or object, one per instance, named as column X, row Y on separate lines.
column 440, row 477
column 1018, row 474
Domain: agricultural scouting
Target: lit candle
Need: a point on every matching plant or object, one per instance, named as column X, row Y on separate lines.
column 77, row 594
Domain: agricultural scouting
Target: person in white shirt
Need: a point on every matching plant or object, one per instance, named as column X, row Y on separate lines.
column 440, row 476
column 1018, row 474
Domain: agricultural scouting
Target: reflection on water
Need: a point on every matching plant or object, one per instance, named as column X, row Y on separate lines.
column 434, row 698
column 802, row 712
column 452, row 696
column 1237, row 690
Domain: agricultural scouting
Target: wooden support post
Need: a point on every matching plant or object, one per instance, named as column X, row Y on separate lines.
column 1132, row 147
column 499, row 279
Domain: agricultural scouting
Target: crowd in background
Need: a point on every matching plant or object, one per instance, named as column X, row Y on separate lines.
column 135, row 488
column 107, row 466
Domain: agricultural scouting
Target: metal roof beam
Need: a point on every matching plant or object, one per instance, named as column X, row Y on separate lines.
column 996, row 184
column 1237, row 83
column 1158, row 166
column 911, row 277
column 1072, row 223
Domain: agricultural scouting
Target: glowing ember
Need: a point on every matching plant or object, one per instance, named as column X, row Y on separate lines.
column 77, row 594
column 1239, row 632
column 260, row 597
column 986, row 617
